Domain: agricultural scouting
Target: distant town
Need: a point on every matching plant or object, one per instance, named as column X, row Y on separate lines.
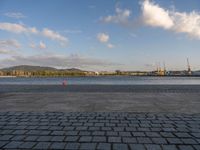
column 38, row 71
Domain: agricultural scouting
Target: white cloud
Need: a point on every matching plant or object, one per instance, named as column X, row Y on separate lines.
column 155, row 16
column 120, row 17
column 42, row 45
column 187, row 23
column 17, row 28
column 109, row 45
column 54, row 35
column 5, row 51
column 103, row 37
column 10, row 43
column 16, row 15
column 64, row 61
column 32, row 45
column 180, row 22
column 7, row 45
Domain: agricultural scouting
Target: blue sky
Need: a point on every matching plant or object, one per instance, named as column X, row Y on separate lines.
column 100, row 34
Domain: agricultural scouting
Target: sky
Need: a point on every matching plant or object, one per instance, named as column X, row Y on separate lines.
column 100, row 35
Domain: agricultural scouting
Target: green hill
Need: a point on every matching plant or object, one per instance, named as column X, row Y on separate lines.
column 28, row 68
column 38, row 68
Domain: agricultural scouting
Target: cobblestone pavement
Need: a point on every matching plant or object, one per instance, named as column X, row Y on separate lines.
column 102, row 131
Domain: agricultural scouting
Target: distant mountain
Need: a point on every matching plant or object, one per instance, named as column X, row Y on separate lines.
column 38, row 68
column 28, row 68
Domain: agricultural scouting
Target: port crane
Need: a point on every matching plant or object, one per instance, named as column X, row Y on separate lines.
column 188, row 66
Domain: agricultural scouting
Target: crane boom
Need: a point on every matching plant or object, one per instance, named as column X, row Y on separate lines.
column 188, row 65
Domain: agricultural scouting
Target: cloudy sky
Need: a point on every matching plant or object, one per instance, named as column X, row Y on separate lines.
column 100, row 34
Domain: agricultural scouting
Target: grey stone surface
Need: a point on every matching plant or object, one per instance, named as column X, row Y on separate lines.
column 44, row 138
column 27, row 145
column 137, row 147
column 120, row 130
column 58, row 138
column 72, row 146
column 88, row 146
column 101, row 98
column 120, row 146
column 58, row 145
column 169, row 147
column 42, row 145
column 144, row 140
column 13, row 145
column 85, row 139
column 129, row 140
column 2, row 143
column 99, row 139
column 114, row 139
column 153, row 147
column 71, row 138
column 174, row 140
column 18, row 138
column 31, row 138
column 159, row 140
column 185, row 147
column 104, row 146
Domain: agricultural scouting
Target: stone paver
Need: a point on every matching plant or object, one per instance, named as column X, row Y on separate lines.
column 42, row 145
column 58, row 145
column 27, row 145
column 101, row 131
column 72, row 146
column 104, row 146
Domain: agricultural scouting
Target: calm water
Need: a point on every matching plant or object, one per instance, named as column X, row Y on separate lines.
column 111, row 80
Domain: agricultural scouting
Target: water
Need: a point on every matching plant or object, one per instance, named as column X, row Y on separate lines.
column 103, row 80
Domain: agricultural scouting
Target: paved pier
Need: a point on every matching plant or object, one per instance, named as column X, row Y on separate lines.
column 101, row 131
column 101, row 98
column 101, row 117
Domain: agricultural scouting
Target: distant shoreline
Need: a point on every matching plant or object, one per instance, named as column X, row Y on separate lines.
column 8, row 76
column 100, row 76
column 39, row 71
